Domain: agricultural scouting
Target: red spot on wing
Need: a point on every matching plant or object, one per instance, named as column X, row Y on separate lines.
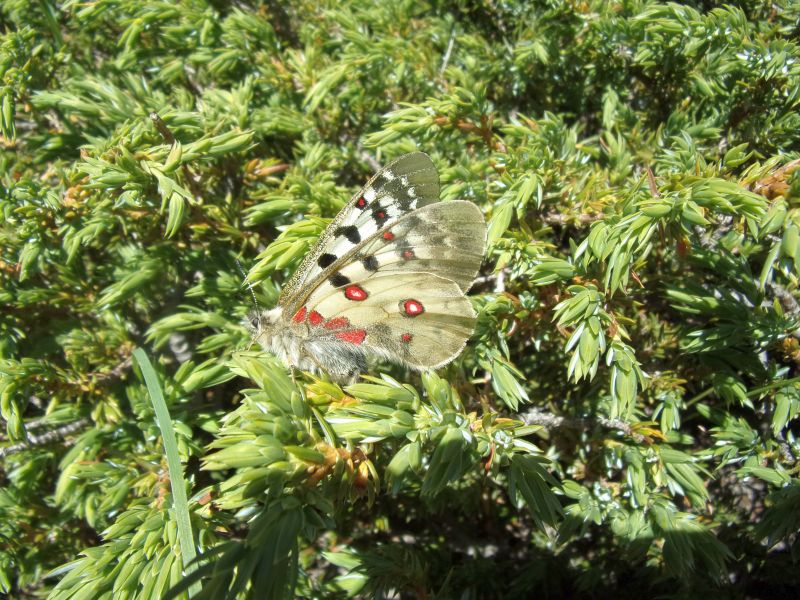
column 353, row 292
column 337, row 323
column 380, row 214
column 315, row 318
column 300, row 315
column 408, row 254
column 361, row 202
column 388, row 235
column 352, row 336
column 406, row 337
column 412, row 308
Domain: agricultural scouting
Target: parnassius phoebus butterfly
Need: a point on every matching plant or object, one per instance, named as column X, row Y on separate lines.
column 386, row 279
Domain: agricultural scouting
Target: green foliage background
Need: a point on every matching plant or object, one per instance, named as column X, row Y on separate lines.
column 624, row 421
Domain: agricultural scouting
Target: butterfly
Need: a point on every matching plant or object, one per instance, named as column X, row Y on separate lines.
column 385, row 280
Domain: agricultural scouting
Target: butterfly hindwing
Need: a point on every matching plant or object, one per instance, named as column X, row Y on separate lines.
column 415, row 318
column 408, row 183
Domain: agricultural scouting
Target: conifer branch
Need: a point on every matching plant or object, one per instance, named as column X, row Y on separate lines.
column 548, row 420
column 49, row 437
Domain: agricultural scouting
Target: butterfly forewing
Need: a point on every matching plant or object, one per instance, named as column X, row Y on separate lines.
column 403, row 185
column 446, row 238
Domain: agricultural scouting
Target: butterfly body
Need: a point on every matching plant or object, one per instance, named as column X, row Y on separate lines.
column 296, row 344
column 386, row 279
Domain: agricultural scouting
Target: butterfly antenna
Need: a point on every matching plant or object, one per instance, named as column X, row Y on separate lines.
column 252, row 292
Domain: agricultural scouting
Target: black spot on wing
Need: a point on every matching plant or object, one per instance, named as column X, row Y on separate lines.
column 339, row 280
column 325, row 260
column 370, row 263
column 380, row 216
column 401, row 195
column 380, row 180
column 403, row 249
column 350, row 232
column 406, row 203
column 412, row 222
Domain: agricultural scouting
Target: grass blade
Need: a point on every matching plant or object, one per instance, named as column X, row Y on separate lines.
column 180, row 503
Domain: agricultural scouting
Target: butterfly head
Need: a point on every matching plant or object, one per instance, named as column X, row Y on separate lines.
column 262, row 322
column 269, row 330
